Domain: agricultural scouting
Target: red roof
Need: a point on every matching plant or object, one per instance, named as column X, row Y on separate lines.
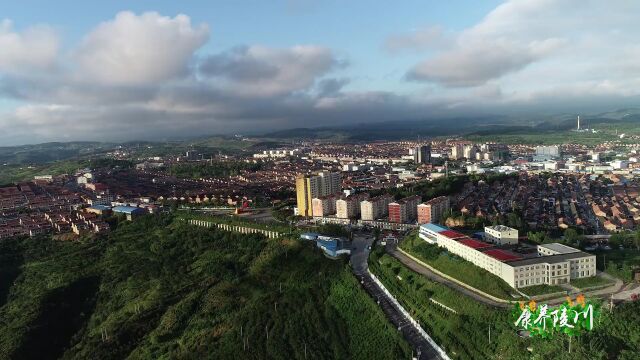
column 502, row 255
column 474, row 243
column 451, row 234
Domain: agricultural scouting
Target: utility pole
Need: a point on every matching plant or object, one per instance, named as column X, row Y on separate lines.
column 611, row 303
column 489, row 334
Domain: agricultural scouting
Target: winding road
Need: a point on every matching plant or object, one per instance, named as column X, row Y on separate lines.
column 392, row 250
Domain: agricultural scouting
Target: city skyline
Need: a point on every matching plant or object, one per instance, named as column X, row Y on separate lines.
column 145, row 70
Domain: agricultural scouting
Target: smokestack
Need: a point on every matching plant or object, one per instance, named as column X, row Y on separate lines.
column 578, row 122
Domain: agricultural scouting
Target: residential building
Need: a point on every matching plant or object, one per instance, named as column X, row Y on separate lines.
column 324, row 205
column 501, row 235
column 191, row 155
column 544, row 153
column 457, row 151
column 469, row 152
column 404, row 210
column 433, row 210
column 309, row 187
column 375, row 208
column 422, row 154
column 349, row 207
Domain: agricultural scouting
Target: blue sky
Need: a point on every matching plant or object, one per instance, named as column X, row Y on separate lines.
column 118, row 70
column 356, row 28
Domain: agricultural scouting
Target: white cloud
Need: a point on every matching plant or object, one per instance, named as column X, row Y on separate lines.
column 138, row 76
column 417, row 40
column 473, row 65
column 531, row 46
column 34, row 49
column 135, row 76
column 265, row 71
column 139, row 50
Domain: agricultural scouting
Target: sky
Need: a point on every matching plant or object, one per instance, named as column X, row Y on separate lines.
column 133, row 70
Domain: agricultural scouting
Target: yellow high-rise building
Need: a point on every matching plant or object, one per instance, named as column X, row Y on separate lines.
column 309, row 187
column 303, row 194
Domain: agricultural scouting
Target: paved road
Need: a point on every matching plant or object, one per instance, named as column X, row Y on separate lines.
column 359, row 256
column 360, row 252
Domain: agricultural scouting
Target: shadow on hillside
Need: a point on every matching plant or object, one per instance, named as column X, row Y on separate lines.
column 11, row 260
column 63, row 313
column 8, row 274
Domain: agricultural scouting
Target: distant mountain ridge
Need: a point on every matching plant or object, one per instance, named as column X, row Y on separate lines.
column 407, row 129
column 387, row 130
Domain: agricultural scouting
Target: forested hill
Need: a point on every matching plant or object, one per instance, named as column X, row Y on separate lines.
column 158, row 288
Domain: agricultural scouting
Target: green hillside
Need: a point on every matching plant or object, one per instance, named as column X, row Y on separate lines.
column 465, row 333
column 158, row 288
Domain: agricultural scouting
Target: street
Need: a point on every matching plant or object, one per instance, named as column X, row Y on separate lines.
column 359, row 255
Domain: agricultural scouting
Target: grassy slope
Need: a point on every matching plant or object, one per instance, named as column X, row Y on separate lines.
column 457, row 267
column 590, row 282
column 465, row 335
column 620, row 263
column 160, row 289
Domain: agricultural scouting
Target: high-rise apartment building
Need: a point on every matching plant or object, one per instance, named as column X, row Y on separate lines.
column 469, row 152
column 544, row 153
column 422, row 154
column 457, row 151
column 433, row 210
column 309, row 187
column 404, row 210
column 375, row 208
column 349, row 207
column 324, row 205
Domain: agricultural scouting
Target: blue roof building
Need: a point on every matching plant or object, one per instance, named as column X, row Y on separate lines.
column 309, row 236
column 434, row 227
column 130, row 211
column 333, row 247
column 429, row 232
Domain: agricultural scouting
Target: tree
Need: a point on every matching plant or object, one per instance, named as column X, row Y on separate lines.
column 616, row 240
column 539, row 237
column 571, row 236
column 514, row 221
